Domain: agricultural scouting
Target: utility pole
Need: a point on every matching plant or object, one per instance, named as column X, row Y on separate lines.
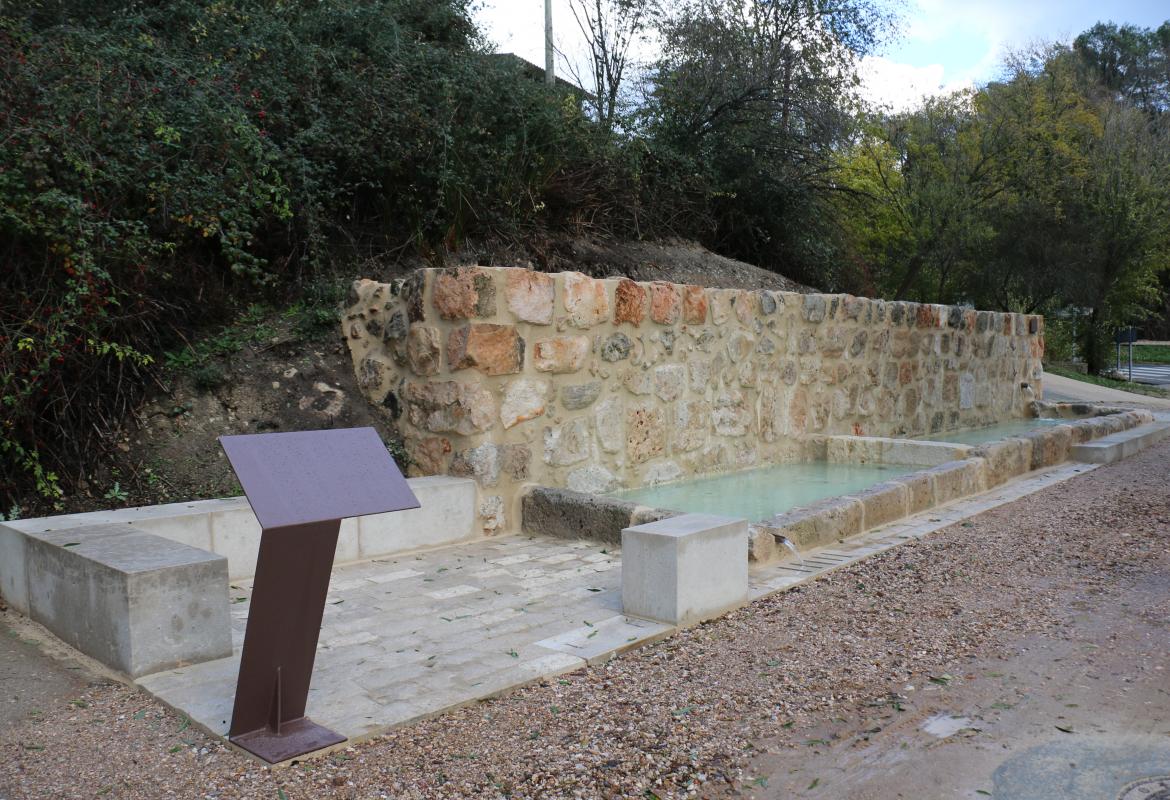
column 550, row 75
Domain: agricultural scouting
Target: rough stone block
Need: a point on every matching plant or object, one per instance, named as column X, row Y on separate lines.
column 1004, row 460
column 136, row 602
column 694, row 305
column 530, row 295
column 442, row 406
column 629, row 303
column 463, row 293
column 883, row 503
column 562, row 354
column 957, row 479
column 645, row 433
column 524, row 399
column 422, row 349
column 585, row 299
column 492, row 349
column 665, row 303
column 568, row 514
column 919, row 491
column 824, row 522
column 685, row 569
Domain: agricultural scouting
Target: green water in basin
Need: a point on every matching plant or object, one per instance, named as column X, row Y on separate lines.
column 760, row 493
column 992, row 433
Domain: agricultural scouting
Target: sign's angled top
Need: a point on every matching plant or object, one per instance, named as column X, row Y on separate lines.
column 313, row 476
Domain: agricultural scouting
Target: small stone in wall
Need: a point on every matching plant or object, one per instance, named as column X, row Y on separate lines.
column 593, row 479
column 692, row 422
column 662, row 472
column 514, row 460
column 585, row 300
column 730, row 414
column 609, row 416
column 428, row 455
column 562, row 354
column 524, row 399
column 629, row 303
column 638, row 380
column 568, row 443
column 670, row 381
column 745, row 307
column 442, row 406
column 581, row 395
column 491, row 514
column 645, row 433
column 767, row 301
column 531, row 295
column 422, row 349
column 481, row 462
column 694, row 305
column 411, row 291
column 665, row 305
column 616, row 347
column 464, row 293
column 492, row 349
column 395, row 328
column 740, row 346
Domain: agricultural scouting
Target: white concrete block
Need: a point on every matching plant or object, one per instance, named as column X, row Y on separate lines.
column 685, row 569
column 446, row 514
column 13, row 573
column 235, row 534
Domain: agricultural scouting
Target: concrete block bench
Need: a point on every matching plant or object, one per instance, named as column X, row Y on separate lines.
column 134, row 601
column 685, row 569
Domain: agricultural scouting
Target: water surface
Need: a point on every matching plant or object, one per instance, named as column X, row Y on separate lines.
column 992, row 433
column 760, row 493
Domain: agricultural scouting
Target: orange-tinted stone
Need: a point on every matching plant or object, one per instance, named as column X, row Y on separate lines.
column 562, row 354
column 629, row 303
column 492, row 349
column 665, row 304
column 694, row 305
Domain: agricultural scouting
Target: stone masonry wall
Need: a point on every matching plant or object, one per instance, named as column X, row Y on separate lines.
column 515, row 377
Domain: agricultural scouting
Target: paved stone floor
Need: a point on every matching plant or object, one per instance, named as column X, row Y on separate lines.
column 410, row 636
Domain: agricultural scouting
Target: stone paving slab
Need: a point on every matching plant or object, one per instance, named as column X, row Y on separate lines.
column 411, row 636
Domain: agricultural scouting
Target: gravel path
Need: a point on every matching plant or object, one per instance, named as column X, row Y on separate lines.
column 683, row 717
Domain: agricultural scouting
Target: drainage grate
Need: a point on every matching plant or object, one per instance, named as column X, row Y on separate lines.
column 1147, row 789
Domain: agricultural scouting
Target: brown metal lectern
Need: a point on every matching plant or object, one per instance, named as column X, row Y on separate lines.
column 300, row 486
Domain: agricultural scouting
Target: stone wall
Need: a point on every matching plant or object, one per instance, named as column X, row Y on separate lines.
column 514, row 377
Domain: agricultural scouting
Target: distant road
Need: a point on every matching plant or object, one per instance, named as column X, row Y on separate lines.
column 1156, row 374
column 1060, row 389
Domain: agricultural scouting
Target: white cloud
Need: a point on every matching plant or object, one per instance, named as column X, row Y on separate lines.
column 900, row 87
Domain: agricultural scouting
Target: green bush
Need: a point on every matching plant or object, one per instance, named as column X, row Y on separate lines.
column 161, row 162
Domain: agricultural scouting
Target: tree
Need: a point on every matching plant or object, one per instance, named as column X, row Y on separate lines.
column 610, row 28
column 757, row 95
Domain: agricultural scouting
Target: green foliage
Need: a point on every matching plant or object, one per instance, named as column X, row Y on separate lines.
column 1046, row 192
column 157, row 160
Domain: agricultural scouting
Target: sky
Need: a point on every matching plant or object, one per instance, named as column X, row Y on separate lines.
column 944, row 44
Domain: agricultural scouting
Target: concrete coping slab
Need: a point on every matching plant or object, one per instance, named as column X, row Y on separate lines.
column 1123, row 444
column 685, row 569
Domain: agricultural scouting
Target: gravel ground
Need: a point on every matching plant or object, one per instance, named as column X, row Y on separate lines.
column 684, row 717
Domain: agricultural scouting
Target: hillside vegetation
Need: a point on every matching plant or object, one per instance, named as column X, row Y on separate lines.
column 165, row 166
